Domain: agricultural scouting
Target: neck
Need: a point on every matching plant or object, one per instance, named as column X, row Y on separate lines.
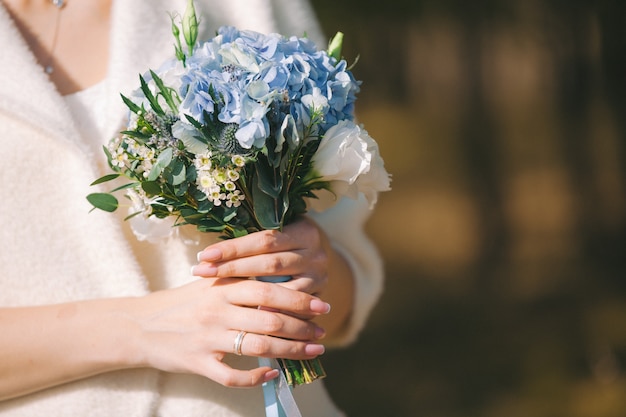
column 68, row 37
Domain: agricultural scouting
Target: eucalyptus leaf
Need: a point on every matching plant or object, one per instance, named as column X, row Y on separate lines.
column 194, row 143
column 151, row 188
column 181, row 189
column 177, row 170
column 162, row 161
column 103, row 201
column 239, row 231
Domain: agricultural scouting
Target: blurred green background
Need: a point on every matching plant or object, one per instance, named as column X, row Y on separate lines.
column 503, row 124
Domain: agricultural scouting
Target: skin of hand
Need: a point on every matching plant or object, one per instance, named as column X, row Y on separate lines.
column 187, row 329
column 302, row 251
column 190, row 329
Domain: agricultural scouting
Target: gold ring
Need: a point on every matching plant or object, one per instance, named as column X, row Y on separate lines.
column 239, row 342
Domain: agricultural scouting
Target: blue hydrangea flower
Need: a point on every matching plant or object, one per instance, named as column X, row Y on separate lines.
column 258, row 82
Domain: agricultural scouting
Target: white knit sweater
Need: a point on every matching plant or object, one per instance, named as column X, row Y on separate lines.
column 54, row 250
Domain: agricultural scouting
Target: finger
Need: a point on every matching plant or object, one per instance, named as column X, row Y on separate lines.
column 266, row 241
column 259, row 345
column 254, row 293
column 280, row 263
column 307, row 283
column 236, row 378
column 277, row 324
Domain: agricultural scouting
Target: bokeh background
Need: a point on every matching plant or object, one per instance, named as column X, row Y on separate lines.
column 503, row 124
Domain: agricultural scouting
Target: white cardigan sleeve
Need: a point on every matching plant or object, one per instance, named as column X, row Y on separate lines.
column 344, row 224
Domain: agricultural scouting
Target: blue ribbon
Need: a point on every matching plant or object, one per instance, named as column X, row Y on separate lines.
column 279, row 401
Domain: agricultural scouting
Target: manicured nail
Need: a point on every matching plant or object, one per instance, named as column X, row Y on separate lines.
column 318, row 306
column 269, row 375
column 203, row 270
column 319, row 333
column 209, row 255
column 314, row 349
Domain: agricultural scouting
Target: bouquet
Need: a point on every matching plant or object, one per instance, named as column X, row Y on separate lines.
column 241, row 133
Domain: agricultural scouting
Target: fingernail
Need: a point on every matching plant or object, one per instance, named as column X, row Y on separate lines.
column 203, row 270
column 319, row 333
column 319, row 306
column 314, row 349
column 210, row 254
column 269, row 375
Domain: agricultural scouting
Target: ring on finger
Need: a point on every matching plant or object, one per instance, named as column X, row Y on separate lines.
column 239, row 342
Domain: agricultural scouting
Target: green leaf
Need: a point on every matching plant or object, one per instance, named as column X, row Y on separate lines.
column 154, row 102
column 151, row 188
column 136, row 135
column 182, row 189
column 131, row 105
column 163, row 160
column 106, row 178
column 176, row 172
column 239, row 231
column 130, row 216
column 166, row 92
column 125, row 186
column 269, row 181
column 103, row 201
column 195, row 144
column 267, row 210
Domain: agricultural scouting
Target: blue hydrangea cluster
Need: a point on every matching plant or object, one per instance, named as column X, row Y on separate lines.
column 267, row 85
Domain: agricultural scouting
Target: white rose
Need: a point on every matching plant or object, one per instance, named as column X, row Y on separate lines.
column 349, row 160
column 376, row 179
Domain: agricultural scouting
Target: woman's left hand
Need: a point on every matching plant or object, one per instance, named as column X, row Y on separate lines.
column 301, row 251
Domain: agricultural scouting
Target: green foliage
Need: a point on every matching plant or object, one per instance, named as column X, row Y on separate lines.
column 103, row 201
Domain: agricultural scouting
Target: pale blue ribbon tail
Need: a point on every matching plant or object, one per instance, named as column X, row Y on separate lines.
column 279, row 401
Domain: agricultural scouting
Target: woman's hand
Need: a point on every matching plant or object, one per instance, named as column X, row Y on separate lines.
column 301, row 251
column 190, row 329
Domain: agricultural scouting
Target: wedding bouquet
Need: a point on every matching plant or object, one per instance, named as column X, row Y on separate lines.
column 241, row 133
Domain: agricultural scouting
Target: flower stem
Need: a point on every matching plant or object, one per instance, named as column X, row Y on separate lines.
column 298, row 372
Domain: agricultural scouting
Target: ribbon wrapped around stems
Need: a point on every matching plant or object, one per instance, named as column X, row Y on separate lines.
column 279, row 401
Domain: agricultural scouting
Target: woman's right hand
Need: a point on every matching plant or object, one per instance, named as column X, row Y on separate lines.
column 190, row 329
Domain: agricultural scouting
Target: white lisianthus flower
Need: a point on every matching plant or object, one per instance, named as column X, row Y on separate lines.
column 348, row 158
